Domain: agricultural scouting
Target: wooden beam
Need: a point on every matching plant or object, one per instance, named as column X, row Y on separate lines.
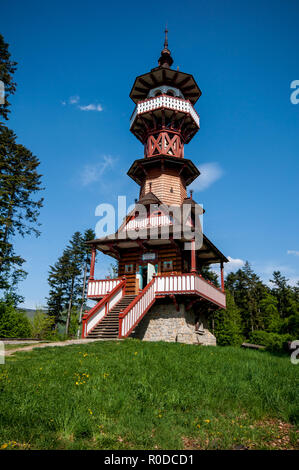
column 144, row 83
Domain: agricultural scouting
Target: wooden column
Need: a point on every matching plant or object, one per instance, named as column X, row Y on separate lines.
column 92, row 263
column 193, row 257
column 222, row 277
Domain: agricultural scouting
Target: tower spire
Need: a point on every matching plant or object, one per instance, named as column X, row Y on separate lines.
column 165, row 60
column 166, row 38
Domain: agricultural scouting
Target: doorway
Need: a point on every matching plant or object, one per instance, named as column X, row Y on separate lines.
column 146, row 273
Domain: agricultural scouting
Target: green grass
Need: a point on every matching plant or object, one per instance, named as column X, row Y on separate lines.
column 138, row 395
column 9, row 347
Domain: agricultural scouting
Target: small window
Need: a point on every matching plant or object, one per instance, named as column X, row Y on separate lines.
column 167, row 265
column 170, row 93
column 158, row 93
column 128, row 268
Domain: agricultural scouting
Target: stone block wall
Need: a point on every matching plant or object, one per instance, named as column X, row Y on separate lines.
column 164, row 323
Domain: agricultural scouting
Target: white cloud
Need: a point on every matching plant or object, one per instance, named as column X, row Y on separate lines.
column 93, row 172
column 210, row 172
column 74, row 99
column 234, row 263
column 91, row 107
column 293, row 252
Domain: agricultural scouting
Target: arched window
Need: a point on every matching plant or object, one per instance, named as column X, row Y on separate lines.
column 158, row 93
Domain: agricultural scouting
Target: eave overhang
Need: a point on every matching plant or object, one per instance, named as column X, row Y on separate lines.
column 186, row 167
column 165, row 76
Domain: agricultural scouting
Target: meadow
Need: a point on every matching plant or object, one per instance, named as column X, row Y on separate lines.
column 137, row 395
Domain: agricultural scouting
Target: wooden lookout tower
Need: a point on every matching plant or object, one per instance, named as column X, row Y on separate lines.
column 160, row 292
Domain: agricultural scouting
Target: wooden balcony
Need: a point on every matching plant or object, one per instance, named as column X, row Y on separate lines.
column 99, row 288
column 173, row 284
column 167, row 102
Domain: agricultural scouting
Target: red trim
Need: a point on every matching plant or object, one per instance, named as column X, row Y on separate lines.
column 193, row 292
column 222, row 277
column 163, row 94
column 139, row 319
column 132, row 304
column 98, row 296
column 92, row 262
column 193, row 257
column 102, row 302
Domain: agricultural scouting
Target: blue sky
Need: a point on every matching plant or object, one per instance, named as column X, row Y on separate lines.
column 77, row 62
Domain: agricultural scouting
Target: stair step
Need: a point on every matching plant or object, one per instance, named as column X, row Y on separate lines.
column 108, row 327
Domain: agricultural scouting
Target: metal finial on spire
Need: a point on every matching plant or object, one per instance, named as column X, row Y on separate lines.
column 165, row 60
column 166, row 38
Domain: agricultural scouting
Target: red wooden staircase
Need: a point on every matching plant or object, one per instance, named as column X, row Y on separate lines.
column 108, row 327
column 116, row 315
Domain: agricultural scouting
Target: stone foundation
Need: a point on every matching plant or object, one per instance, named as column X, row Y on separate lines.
column 164, row 323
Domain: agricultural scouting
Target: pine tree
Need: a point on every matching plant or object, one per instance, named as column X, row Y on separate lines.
column 19, row 182
column 228, row 324
column 66, row 279
column 271, row 319
column 247, row 290
column 7, row 69
column 285, row 295
column 19, row 211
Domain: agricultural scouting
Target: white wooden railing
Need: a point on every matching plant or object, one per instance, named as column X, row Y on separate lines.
column 165, row 101
column 132, row 315
column 154, row 221
column 97, row 313
column 99, row 288
column 190, row 283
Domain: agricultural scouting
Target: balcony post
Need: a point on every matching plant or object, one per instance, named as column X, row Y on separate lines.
column 92, row 263
column 193, row 257
column 222, row 278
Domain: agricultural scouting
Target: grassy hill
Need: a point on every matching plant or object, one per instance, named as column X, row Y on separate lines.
column 137, row 395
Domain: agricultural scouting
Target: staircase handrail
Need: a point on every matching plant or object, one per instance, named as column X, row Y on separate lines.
column 104, row 301
column 137, row 299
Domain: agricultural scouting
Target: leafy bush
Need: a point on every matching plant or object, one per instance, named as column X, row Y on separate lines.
column 227, row 324
column 13, row 323
column 272, row 341
column 291, row 326
column 42, row 326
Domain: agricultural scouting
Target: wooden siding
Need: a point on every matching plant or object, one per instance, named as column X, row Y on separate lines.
column 169, row 254
column 162, row 183
column 129, row 257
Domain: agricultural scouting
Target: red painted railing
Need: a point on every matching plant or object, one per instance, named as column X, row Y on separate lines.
column 132, row 314
column 180, row 284
column 99, row 288
column 97, row 313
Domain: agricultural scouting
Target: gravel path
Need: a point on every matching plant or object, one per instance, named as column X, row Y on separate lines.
column 51, row 345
